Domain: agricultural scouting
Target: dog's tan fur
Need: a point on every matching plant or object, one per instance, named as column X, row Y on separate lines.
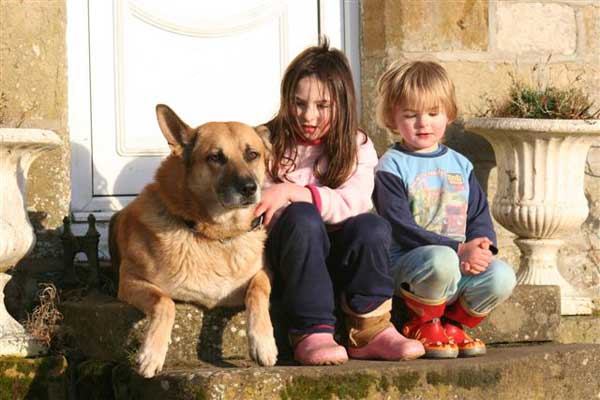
column 188, row 235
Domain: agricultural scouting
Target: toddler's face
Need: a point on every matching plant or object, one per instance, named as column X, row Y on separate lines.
column 421, row 130
column 313, row 107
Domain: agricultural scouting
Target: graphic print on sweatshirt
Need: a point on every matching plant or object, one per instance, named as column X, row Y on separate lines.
column 438, row 201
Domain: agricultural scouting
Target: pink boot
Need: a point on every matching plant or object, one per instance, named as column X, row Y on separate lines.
column 372, row 336
column 319, row 349
column 388, row 345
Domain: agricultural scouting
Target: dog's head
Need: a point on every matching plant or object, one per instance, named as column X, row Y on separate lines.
column 224, row 162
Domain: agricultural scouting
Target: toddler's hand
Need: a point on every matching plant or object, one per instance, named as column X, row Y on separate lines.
column 485, row 244
column 467, row 269
column 475, row 256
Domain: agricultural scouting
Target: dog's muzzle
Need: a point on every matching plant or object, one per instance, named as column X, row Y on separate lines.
column 239, row 192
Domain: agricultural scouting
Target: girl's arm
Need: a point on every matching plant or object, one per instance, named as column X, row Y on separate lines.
column 278, row 195
column 354, row 196
column 391, row 202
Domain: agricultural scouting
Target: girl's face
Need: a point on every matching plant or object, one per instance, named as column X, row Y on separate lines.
column 313, row 107
column 421, row 130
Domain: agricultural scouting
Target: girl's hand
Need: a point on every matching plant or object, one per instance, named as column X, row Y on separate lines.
column 279, row 196
column 475, row 256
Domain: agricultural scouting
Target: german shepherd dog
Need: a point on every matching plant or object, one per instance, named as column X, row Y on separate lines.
column 191, row 235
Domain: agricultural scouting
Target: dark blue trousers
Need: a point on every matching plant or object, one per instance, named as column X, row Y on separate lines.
column 311, row 265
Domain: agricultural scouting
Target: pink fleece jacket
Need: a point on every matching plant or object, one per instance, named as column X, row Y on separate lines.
column 348, row 200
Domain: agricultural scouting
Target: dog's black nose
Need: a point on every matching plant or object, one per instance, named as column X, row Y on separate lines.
column 247, row 187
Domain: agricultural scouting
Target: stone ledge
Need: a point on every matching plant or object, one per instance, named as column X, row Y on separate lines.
column 106, row 329
column 544, row 371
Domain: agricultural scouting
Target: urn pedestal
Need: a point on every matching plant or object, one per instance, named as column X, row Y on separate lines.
column 540, row 194
column 18, row 149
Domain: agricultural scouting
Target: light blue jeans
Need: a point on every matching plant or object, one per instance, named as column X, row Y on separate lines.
column 433, row 273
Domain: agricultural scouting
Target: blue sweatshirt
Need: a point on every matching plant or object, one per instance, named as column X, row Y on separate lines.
column 430, row 199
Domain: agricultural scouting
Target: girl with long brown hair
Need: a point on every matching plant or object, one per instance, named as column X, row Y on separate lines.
column 322, row 239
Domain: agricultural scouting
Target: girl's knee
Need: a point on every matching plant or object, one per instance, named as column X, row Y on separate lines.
column 369, row 228
column 304, row 216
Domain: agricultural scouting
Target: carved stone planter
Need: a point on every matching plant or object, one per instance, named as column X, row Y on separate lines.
column 18, row 149
column 540, row 193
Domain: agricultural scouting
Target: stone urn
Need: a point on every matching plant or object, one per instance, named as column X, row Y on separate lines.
column 18, row 149
column 540, row 196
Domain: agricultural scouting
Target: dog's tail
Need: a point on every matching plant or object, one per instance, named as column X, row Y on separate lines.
column 113, row 249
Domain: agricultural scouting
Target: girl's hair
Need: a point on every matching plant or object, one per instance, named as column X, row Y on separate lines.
column 332, row 69
column 418, row 85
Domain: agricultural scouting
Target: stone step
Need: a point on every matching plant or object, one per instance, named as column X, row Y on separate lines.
column 579, row 329
column 106, row 329
column 547, row 371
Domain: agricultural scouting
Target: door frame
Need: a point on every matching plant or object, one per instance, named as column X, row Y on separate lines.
column 338, row 19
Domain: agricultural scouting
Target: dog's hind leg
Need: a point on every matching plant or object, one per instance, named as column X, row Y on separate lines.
column 260, row 329
column 160, row 310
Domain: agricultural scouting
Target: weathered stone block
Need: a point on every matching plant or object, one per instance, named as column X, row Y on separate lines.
column 527, row 27
column 591, row 32
column 531, row 314
column 579, row 329
column 436, row 26
column 107, row 329
column 373, row 28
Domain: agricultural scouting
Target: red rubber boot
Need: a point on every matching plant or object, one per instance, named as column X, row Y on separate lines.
column 426, row 327
column 456, row 315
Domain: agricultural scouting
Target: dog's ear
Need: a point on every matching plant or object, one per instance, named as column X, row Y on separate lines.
column 179, row 135
column 265, row 135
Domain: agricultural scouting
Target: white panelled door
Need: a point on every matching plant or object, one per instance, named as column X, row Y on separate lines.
column 208, row 60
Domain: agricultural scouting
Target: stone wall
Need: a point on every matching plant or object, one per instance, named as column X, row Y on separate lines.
column 481, row 43
column 33, row 94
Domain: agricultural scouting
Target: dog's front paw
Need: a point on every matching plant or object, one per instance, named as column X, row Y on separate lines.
column 150, row 360
column 263, row 349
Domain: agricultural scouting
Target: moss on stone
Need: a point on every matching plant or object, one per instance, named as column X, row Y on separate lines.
column 355, row 386
column 39, row 378
column 14, row 388
column 198, row 393
column 467, row 379
column 405, row 382
column 383, row 384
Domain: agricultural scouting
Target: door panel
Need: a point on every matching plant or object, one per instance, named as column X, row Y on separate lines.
column 207, row 60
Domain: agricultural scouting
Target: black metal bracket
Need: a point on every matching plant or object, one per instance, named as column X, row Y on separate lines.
column 88, row 244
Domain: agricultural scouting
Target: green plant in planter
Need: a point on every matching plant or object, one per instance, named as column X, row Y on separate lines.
column 526, row 101
column 542, row 101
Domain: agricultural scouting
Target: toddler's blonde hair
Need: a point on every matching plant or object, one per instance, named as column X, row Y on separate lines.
column 417, row 85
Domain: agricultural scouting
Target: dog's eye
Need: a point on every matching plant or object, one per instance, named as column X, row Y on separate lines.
column 216, row 158
column 252, row 155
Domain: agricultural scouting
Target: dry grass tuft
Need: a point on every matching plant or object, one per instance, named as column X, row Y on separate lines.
column 42, row 323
